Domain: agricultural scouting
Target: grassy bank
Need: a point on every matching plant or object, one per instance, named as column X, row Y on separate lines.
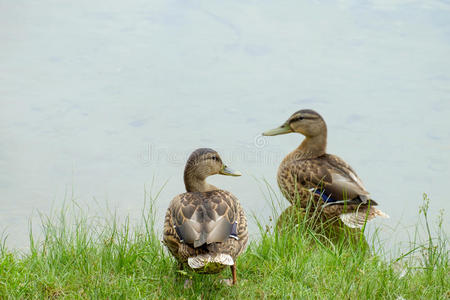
column 82, row 257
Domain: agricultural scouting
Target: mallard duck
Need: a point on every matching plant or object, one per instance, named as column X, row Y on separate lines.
column 309, row 172
column 205, row 228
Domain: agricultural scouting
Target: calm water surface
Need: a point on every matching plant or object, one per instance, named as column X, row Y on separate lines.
column 103, row 97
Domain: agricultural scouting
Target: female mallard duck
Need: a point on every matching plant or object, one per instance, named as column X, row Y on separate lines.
column 309, row 172
column 205, row 228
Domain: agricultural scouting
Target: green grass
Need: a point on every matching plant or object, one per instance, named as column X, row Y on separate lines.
column 81, row 257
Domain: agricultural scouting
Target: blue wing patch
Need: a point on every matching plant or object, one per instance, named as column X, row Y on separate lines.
column 233, row 233
column 326, row 198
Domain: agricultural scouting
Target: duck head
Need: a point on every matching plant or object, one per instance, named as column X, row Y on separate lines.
column 305, row 121
column 202, row 163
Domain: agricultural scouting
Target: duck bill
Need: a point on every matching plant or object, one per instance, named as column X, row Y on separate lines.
column 283, row 129
column 229, row 172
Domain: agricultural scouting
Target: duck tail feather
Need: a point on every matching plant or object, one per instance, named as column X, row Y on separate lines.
column 358, row 218
column 379, row 213
column 201, row 260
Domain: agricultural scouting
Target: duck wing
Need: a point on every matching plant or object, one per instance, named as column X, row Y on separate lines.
column 334, row 180
column 204, row 218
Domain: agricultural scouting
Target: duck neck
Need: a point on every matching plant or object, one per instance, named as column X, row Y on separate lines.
column 311, row 147
column 197, row 184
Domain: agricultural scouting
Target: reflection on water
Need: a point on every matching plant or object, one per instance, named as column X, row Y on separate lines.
column 102, row 97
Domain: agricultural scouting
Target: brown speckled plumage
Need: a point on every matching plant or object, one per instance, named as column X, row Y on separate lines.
column 309, row 168
column 215, row 205
column 297, row 176
column 204, row 216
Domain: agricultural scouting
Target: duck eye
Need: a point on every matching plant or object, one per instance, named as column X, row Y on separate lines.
column 297, row 119
column 214, row 158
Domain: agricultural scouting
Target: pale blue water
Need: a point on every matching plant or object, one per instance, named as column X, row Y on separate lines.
column 103, row 96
